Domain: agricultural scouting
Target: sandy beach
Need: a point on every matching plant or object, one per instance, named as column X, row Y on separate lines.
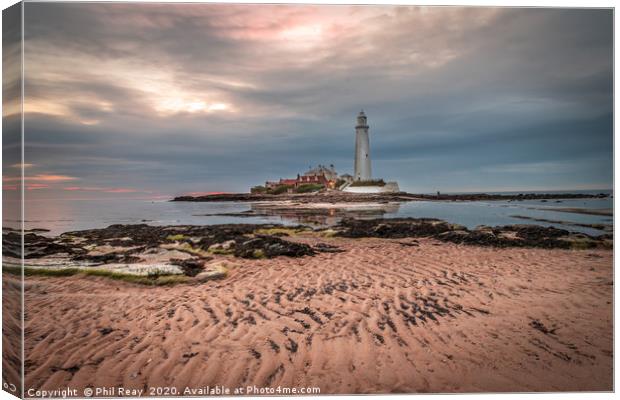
column 383, row 316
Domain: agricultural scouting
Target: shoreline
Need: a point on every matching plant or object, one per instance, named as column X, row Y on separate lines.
column 344, row 197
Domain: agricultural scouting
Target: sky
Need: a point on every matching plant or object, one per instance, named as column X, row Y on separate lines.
column 157, row 100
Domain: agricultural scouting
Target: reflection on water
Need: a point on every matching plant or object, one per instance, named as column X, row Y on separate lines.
column 324, row 216
column 60, row 216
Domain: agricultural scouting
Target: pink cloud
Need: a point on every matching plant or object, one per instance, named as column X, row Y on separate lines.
column 51, row 178
column 83, row 188
column 41, row 178
column 36, row 186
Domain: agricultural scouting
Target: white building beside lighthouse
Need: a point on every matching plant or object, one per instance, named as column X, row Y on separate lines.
column 362, row 149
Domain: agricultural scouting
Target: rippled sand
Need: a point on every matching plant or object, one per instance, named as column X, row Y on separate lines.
column 383, row 316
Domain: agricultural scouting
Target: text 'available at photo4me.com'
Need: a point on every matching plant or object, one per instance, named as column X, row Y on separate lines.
column 220, row 390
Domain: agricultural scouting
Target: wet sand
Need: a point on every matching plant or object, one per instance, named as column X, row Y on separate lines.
column 606, row 212
column 383, row 316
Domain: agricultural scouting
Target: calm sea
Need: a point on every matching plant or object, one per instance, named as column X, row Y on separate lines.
column 67, row 215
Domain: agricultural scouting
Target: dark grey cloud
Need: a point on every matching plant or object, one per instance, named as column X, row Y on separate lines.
column 457, row 98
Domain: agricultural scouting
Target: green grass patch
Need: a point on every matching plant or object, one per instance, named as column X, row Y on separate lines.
column 258, row 190
column 309, row 187
column 374, row 182
column 187, row 248
column 280, row 189
column 279, row 231
column 176, row 238
column 581, row 244
column 222, row 252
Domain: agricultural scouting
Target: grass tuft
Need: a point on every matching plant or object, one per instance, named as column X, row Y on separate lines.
column 279, row 231
column 175, row 238
column 258, row 254
column 222, row 252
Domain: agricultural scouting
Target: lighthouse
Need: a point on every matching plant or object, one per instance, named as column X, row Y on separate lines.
column 362, row 149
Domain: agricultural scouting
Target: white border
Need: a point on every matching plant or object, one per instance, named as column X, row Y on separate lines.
column 507, row 3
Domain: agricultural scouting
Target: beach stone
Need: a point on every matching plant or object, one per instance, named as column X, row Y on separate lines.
column 225, row 246
column 215, row 270
column 210, row 275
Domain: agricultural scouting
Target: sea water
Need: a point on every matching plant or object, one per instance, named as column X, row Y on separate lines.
column 60, row 216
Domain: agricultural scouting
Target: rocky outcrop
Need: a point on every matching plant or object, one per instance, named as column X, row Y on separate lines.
column 501, row 236
column 393, row 228
column 35, row 246
column 128, row 244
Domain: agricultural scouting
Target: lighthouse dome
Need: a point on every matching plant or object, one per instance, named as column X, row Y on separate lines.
column 361, row 119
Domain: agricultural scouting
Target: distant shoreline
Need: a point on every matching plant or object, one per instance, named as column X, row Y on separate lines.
column 336, row 196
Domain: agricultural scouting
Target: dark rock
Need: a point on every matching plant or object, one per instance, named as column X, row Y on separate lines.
column 108, row 258
column 199, row 237
column 35, row 246
column 539, row 326
column 255, row 354
column 274, row 346
column 327, row 248
column 396, row 228
column 105, row 331
column 266, row 246
column 292, row 346
column 190, row 267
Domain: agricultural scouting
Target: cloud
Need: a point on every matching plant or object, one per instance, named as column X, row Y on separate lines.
column 41, row 178
column 36, row 186
column 24, row 165
column 196, row 97
column 103, row 189
column 51, row 178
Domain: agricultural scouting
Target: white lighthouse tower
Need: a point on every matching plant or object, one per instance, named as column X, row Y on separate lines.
column 362, row 149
